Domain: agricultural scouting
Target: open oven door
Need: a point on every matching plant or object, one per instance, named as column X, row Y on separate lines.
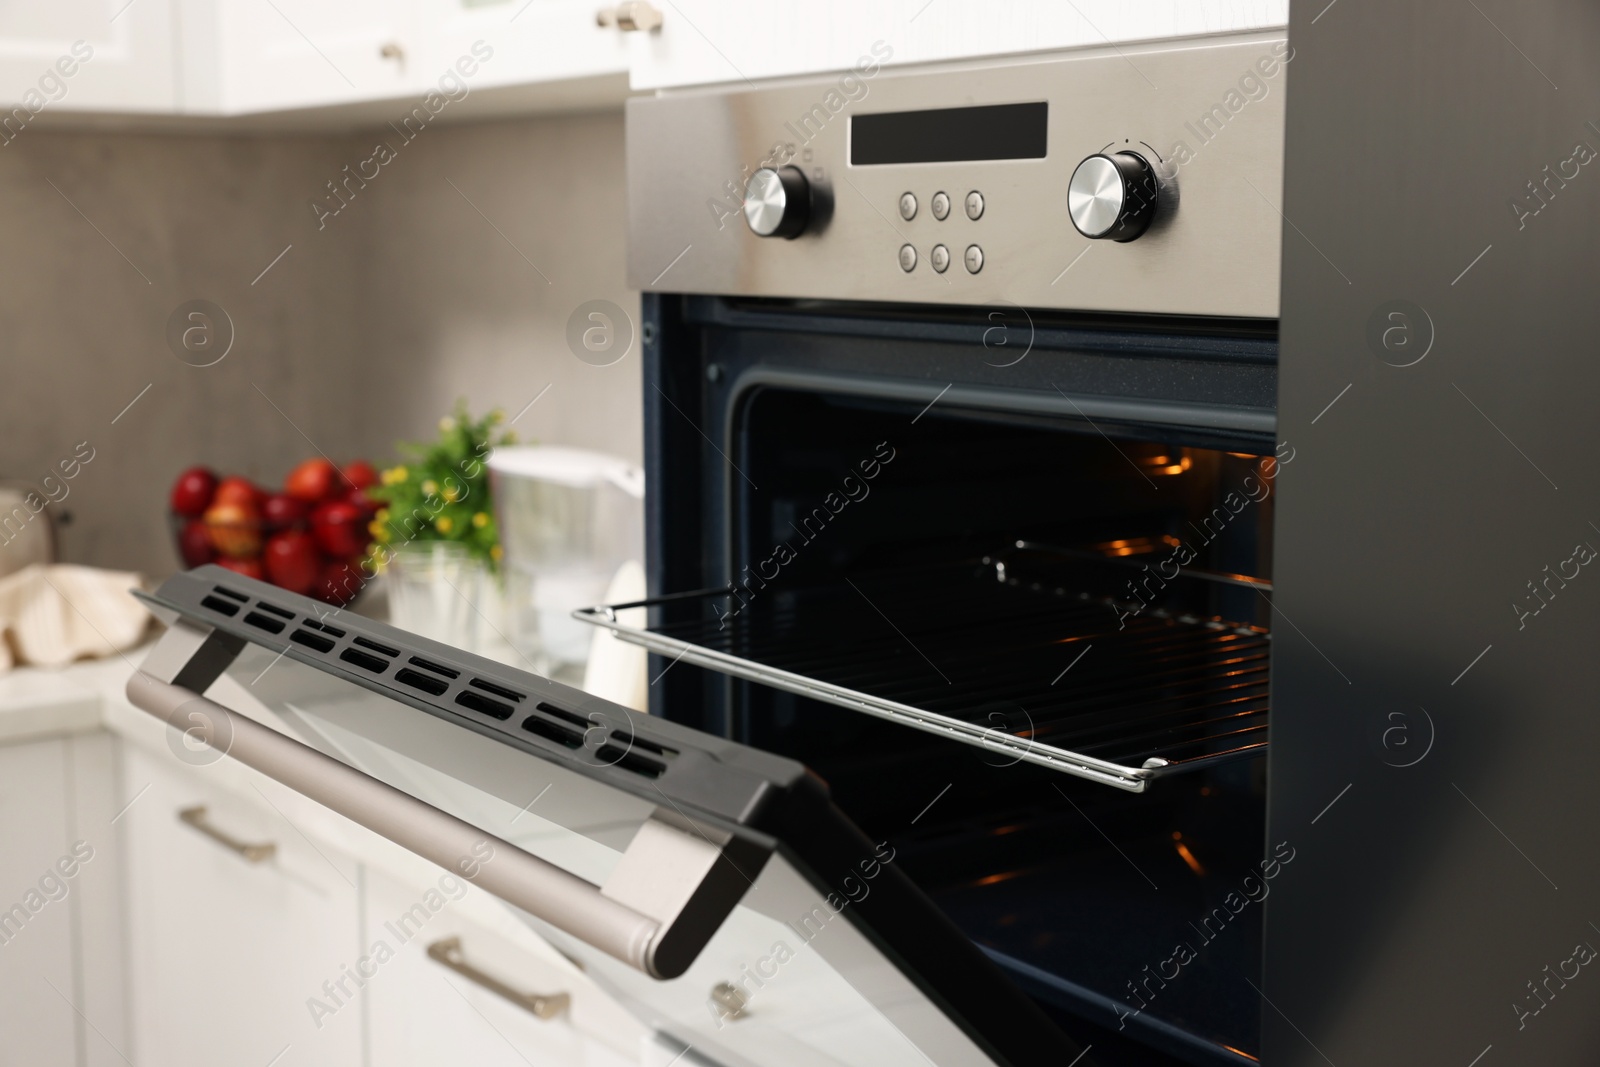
column 712, row 888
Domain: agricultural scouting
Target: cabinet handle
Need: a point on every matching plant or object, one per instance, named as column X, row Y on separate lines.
column 633, row 15
column 252, row 853
column 392, row 50
column 447, row 952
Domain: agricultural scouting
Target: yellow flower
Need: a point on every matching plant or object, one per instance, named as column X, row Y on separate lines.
column 443, row 524
column 394, row 475
column 383, row 515
column 378, row 530
column 510, row 437
column 480, row 520
column 430, row 487
column 446, row 424
column 451, row 493
column 497, row 416
column 495, row 552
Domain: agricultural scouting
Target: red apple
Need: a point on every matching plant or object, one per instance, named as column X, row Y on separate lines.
column 192, row 492
column 292, row 561
column 238, row 491
column 235, row 530
column 360, row 474
column 194, row 544
column 339, row 583
column 281, row 511
column 250, row 568
column 340, row 528
column 358, row 496
column 313, row 480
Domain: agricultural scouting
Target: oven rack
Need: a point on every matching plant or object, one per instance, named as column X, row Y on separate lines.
column 1019, row 653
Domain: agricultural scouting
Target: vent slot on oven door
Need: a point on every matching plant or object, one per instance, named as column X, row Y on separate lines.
column 1049, row 655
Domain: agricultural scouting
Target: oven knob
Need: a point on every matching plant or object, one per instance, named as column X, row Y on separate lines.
column 777, row 203
column 1112, row 197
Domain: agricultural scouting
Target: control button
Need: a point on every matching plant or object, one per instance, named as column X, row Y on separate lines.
column 940, row 257
column 974, row 205
column 974, row 259
column 1113, row 196
column 908, row 258
column 941, row 206
column 908, row 206
column 777, row 203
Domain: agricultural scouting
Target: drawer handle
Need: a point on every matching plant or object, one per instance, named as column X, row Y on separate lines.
column 630, row 16
column 252, row 853
column 447, row 952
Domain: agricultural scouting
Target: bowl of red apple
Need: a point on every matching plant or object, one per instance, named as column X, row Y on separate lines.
column 308, row 537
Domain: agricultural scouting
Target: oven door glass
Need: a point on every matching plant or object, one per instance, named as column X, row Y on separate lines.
column 803, row 969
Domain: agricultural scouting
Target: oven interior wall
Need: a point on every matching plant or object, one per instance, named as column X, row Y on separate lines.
column 1086, row 894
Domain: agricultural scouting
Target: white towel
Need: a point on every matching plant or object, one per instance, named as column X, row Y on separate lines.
column 52, row 614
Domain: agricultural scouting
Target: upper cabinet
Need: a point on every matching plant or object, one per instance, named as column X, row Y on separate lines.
column 355, row 58
column 529, row 41
column 255, row 55
column 87, row 55
column 703, row 41
column 288, row 55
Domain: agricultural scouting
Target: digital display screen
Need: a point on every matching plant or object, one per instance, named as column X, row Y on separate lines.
column 950, row 134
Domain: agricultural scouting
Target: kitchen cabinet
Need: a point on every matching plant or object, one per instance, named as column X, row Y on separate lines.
column 532, row 40
column 226, row 956
column 119, row 54
column 60, row 885
column 290, row 54
column 212, row 58
column 705, row 41
column 297, row 54
column 36, row 943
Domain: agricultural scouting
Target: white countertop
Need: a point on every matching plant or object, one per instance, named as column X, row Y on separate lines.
column 40, row 702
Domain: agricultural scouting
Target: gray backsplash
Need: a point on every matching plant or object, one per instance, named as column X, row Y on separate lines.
column 451, row 273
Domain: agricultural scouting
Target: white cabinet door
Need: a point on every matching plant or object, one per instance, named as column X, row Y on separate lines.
column 86, row 55
column 226, row 956
column 254, row 55
column 37, row 991
column 424, row 1013
column 531, row 41
column 702, row 41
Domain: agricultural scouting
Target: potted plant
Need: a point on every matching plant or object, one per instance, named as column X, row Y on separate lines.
column 434, row 534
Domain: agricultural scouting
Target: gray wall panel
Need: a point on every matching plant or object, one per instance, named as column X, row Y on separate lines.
column 1453, row 739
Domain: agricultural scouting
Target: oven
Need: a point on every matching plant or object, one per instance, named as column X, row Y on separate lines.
column 962, row 490
column 960, row 397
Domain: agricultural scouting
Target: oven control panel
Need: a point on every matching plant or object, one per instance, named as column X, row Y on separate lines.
column 1141, row 180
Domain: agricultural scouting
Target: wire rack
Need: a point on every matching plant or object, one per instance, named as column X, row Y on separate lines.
column 1029, row 653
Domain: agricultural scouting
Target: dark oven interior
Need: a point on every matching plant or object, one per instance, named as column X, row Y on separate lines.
column 1006, row 558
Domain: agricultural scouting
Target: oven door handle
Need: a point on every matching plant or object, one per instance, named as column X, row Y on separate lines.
column 630, row 917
